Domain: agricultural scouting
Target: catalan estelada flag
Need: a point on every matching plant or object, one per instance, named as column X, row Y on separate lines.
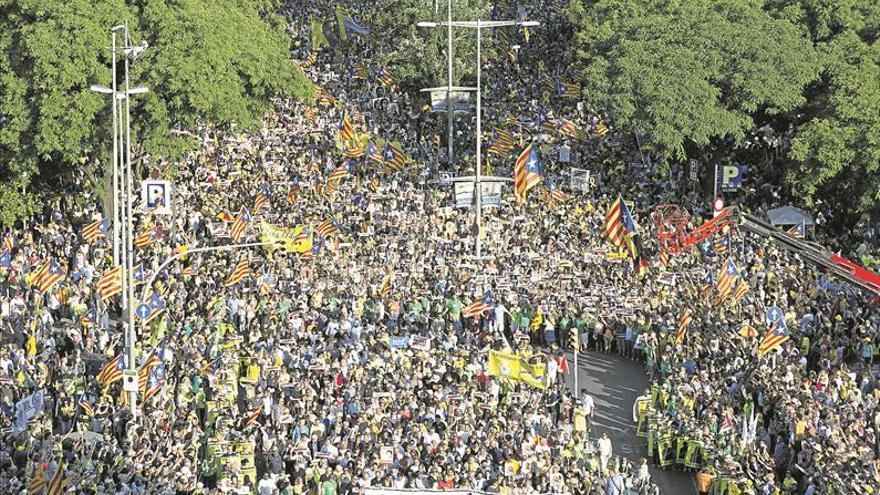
column 56, row 484
column 372, row 152
column 262, row 199
column 620, row 227
column 240, row 224
column 242, row 270
column 526, row 172
column 110, row 283
column 556, row 193
column 155, row 378
column 323, row 97
column 8, row 243
column 346, row 131
column 798, row 231
column 51, row 276
column 776, row 336
column 664, row 259
column 742, row 288
column 111, row 372
column 502, row 142
column 99, row 228
column 683, row 326
column 478, row 308
column 146, row 238
column 393, row 156
column 37, row 480
column 342, row 171
column 327, row 228
column 727, row 278
column 722, row 244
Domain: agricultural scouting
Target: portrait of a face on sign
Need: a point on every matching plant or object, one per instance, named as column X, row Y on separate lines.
column 156, row 195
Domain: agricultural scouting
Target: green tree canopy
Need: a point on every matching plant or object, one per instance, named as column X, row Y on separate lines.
column 835, row 153
column 217, row 61
column 691, row 70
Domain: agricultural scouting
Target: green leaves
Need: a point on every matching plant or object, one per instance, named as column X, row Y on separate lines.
column 218, row 61
column 692, row 70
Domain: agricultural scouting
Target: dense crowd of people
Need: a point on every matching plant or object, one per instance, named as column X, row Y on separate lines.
column 351, row 365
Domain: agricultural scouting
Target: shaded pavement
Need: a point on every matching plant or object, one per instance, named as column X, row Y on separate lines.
column 615, row 382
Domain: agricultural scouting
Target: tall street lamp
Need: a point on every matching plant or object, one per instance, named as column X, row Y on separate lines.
column 479, row 25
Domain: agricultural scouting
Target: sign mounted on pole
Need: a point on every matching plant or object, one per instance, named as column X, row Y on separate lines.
column 156, row 196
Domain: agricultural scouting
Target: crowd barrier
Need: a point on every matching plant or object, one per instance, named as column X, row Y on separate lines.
column 460, row 491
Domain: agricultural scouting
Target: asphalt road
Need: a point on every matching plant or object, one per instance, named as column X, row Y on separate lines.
column 615, row 382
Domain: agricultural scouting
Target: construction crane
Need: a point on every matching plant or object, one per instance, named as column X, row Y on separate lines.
column 672, row 222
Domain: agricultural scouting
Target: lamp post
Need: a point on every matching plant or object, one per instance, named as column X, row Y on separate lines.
column 123, row 190
column 479, row 25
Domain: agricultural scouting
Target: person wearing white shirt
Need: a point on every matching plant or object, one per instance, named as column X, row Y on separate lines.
column 604, row 452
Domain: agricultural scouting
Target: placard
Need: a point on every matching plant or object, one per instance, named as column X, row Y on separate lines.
column 156, row 196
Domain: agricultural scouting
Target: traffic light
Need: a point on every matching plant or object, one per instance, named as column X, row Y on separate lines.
column 575, row 339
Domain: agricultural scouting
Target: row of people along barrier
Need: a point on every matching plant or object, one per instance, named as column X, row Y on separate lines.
column 671, row 450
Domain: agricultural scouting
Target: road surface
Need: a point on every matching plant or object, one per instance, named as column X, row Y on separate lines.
column 615, row 382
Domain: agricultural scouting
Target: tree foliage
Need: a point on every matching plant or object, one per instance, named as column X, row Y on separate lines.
column 217, row 61
column 691, row 70
column 835, row 153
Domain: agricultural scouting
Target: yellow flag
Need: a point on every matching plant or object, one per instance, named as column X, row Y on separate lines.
column 516, row 367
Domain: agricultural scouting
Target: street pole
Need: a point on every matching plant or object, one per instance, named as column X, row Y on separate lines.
column 449, row 117
column 478, row 186
column 577, row 344
column 114, row 159
column 129, row 202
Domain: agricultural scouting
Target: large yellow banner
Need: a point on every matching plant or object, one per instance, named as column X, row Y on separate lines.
column 516, row 367
column 292, row 239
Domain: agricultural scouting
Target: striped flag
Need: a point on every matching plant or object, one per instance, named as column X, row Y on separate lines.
column 360, row 71
column 722, row 244
column 37, row 480
column 726, row 279
column 664, row 259
column 345, row 129
column 242, row 270
column 571, row 90
column 776, row 336
column 262, row 199
column 252, row 417
column 393, row 156
column 146, row 238
column 355, row 151
column 327, row 228
column 502, row 142
column 568, row 128
column 620, row 227
column 387, row 282
column 240, row 225
column 323, row 97
column 110, row 283
column 708, row 283
column 33, row 277
column 111, row 372
column 477, row 308
column 157, row 307
column 265, row 283
column 51, row 276
column 683, row 326
column 56, row 484
column 372, row 152
column 798, row 231
column 601, row 130
column 342, row 171
column 556, row 193
column 385, row 78
column 139, row 276
column 99, row 228
column 155, row 378
column 741, row 290
column 309, row 61
column 526, row 172
column 87, row 408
